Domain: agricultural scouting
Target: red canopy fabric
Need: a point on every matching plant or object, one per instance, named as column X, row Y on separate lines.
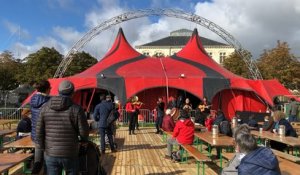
column 125, row 72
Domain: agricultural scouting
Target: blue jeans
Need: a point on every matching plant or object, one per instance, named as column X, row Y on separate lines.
column 109, row 133
column 55, row 165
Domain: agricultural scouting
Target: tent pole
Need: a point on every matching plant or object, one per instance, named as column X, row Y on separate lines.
column 166, row 76
column 88, row 108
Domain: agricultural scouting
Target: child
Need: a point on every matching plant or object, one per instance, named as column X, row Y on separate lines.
column 209, row 122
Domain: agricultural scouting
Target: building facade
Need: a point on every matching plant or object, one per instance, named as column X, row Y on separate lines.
column 177, row 40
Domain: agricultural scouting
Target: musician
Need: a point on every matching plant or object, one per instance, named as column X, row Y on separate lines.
column 160, row 108
column 137, row 106
column 205, row 106
column 187, row 105
column 130, row 113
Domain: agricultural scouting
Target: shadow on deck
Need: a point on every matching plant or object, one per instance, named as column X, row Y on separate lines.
column 143, row 153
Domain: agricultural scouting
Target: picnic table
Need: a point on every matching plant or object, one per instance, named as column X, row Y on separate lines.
column 7, row 123
column 292, row 141
column 218, row 142
column 2, row 135
column 23, row 143
column 8, row 161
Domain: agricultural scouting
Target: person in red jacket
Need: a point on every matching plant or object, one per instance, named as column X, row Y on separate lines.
column 130, row 114
column 168, row 122
column 183, row 132
column 208, row 122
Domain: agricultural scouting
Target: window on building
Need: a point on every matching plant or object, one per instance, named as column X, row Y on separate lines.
column 146, row 53
column 222, row 57
column 158, row 54
column 210, row 54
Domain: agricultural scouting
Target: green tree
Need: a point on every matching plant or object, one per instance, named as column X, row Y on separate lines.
column 81, row 61
column 280, row 64
column 9, row 68
column 236, row 64
column 41, row 65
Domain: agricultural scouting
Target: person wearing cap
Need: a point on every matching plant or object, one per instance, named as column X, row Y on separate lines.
column 168, row 122
column 36, row 102
column 101, row 113
column 60, row 127
column 183, row 132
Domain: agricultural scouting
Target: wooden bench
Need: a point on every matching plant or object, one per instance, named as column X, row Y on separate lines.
column 94, row 135
column 166, row 134
column 286, row 156
column 228, row 156
column 9, row 161
column 200, row 158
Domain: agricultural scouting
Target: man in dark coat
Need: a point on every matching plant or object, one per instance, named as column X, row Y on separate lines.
column 160, row 108
column 60, row 124
column 36, row 102
column 257, row 160
column 101, row 113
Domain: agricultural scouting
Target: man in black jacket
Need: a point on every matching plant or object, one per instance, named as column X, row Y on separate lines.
column 60, row 123
column 101, row 113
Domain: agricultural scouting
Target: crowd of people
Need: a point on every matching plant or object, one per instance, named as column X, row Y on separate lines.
column 57, row 126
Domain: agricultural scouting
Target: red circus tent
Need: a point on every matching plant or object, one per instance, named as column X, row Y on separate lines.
column 124, row 72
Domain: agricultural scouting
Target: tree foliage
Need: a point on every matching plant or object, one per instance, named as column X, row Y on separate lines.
column 236, row 65
column 280, row 64
column 81, row 61
column 41, row 65
column 9, row 68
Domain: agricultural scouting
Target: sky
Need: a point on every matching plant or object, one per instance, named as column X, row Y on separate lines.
column 28, row 25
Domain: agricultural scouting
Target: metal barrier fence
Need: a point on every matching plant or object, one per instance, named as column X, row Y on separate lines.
column 145, row 116
column 10, row 113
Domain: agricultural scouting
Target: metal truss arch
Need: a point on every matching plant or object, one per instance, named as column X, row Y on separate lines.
column 175, row 13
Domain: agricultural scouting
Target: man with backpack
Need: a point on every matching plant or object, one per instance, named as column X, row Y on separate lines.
column 101, row 113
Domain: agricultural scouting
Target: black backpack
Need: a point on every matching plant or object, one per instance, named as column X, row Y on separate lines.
column 89, row 159
column 225, row 128
column 112, row 117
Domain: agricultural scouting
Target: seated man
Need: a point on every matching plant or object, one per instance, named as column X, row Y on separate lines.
column 183, row 132
column 231, row 168
column 252, row 123
column 168, row 122
column 268, row 123
column 257, row 160
column 24, row 126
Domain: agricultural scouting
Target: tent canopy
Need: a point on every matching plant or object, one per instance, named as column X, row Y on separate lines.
column 125, row 72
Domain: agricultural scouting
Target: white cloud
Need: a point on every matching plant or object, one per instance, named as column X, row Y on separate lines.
column 16, row 30
column 256, row 24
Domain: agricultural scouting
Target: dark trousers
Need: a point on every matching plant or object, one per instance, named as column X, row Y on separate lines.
column 109, row 133
column 136, row 119
column 158, row 123
column 132, row 122
column 55, row 165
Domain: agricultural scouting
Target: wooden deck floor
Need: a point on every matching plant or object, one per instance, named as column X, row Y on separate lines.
column 143, row 153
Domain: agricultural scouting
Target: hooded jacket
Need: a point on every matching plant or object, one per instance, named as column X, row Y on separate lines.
column 36, row 102
column 184, row 131
column 260, row 161
column 58, row 127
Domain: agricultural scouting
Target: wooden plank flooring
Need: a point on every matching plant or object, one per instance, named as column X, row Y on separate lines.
column 143, row 153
